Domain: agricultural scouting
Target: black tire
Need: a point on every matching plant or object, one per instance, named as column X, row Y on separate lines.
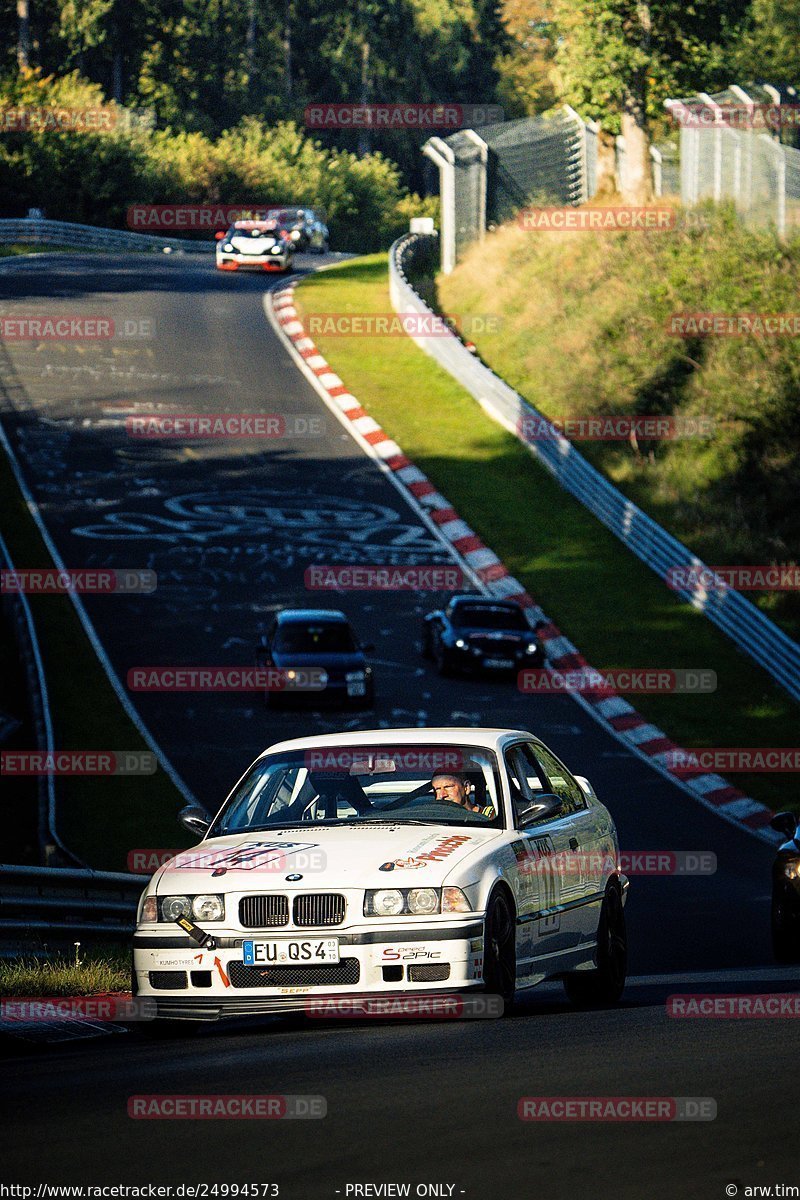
column 499, row 950
column 785, row 931
column 604, row 986
column 443, row 664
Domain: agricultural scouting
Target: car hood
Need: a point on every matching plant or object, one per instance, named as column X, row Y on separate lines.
column 331, row 662
column 256, row 245
column 495, row 635
column 358, row 856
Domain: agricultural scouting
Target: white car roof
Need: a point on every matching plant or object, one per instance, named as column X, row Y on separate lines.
column 456, row 735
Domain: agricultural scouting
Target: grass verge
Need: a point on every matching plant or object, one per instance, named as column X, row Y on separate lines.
column 102, row 818
column 611, row 605
column 94, row 973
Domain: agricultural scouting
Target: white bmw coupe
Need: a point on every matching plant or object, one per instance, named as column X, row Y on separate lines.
column 390, row 863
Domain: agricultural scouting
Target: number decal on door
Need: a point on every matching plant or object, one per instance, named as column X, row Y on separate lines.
column 549, row 889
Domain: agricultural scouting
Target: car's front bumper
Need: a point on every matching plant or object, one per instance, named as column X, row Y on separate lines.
column 261, row 262
column 187, row 981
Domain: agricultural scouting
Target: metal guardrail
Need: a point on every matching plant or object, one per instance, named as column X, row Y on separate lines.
column 19, row 609
column 56, row 900
column 41, row 232
column 754, row 633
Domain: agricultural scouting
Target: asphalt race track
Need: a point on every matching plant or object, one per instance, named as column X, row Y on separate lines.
column 230, row 527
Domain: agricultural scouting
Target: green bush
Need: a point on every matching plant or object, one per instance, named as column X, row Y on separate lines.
column 94, row 177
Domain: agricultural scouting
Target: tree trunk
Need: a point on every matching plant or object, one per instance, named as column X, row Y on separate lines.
column 636, row 183
column 250, row 46
column 637, row 176
column 606, row 178
column 364, row 140
column 287, row 52
column 23, row 34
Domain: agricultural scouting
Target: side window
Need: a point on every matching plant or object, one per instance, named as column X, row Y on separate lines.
column 561, row 782
column 525, row 779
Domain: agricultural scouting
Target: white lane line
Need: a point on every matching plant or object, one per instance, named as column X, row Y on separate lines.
column 89, row 630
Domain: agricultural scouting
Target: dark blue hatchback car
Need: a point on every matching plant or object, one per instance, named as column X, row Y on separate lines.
column 319, row 645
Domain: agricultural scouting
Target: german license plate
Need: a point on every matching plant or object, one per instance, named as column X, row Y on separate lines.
column 499, row 664
column 301, row 951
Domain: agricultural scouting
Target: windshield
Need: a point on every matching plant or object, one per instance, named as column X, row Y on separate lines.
column 484, row 617
column 253, row 231
column 357, row 785
column 314, row 639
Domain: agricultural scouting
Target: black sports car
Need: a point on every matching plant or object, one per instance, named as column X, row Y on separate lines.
column 317, row 645
column 786, row 890
column 476, row 633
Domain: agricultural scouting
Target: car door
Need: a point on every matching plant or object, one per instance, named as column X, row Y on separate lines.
column 539, row 848
column 584, row 832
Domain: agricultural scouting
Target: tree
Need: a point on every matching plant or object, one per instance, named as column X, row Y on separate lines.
column 620, row 59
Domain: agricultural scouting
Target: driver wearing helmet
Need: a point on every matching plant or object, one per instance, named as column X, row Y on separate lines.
column 456, row 788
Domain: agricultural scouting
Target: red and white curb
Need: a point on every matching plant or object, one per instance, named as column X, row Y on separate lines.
column 611, row 711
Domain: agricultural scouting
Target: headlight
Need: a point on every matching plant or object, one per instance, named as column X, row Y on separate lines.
column 295, row 235
column 791, row 869
column 276, row 250
column 461, row 644
column 423, row 901
column 454, row 900
column 149, row 910
column 208, row 908
column 386, row 903
column 228, row 247
column 531, row 647
column 354, row 677
column 411, row 902
column 173, row 907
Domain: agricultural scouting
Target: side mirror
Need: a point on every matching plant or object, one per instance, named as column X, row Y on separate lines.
column 546, row 806
column 785, row 823
column 195, row 819
column 219, row 235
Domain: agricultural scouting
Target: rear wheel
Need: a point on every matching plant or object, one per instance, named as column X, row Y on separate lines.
column 499, row 950
column 604, row 985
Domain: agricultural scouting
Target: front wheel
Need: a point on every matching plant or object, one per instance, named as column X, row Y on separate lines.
column 605, row 985
column 499, row 950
